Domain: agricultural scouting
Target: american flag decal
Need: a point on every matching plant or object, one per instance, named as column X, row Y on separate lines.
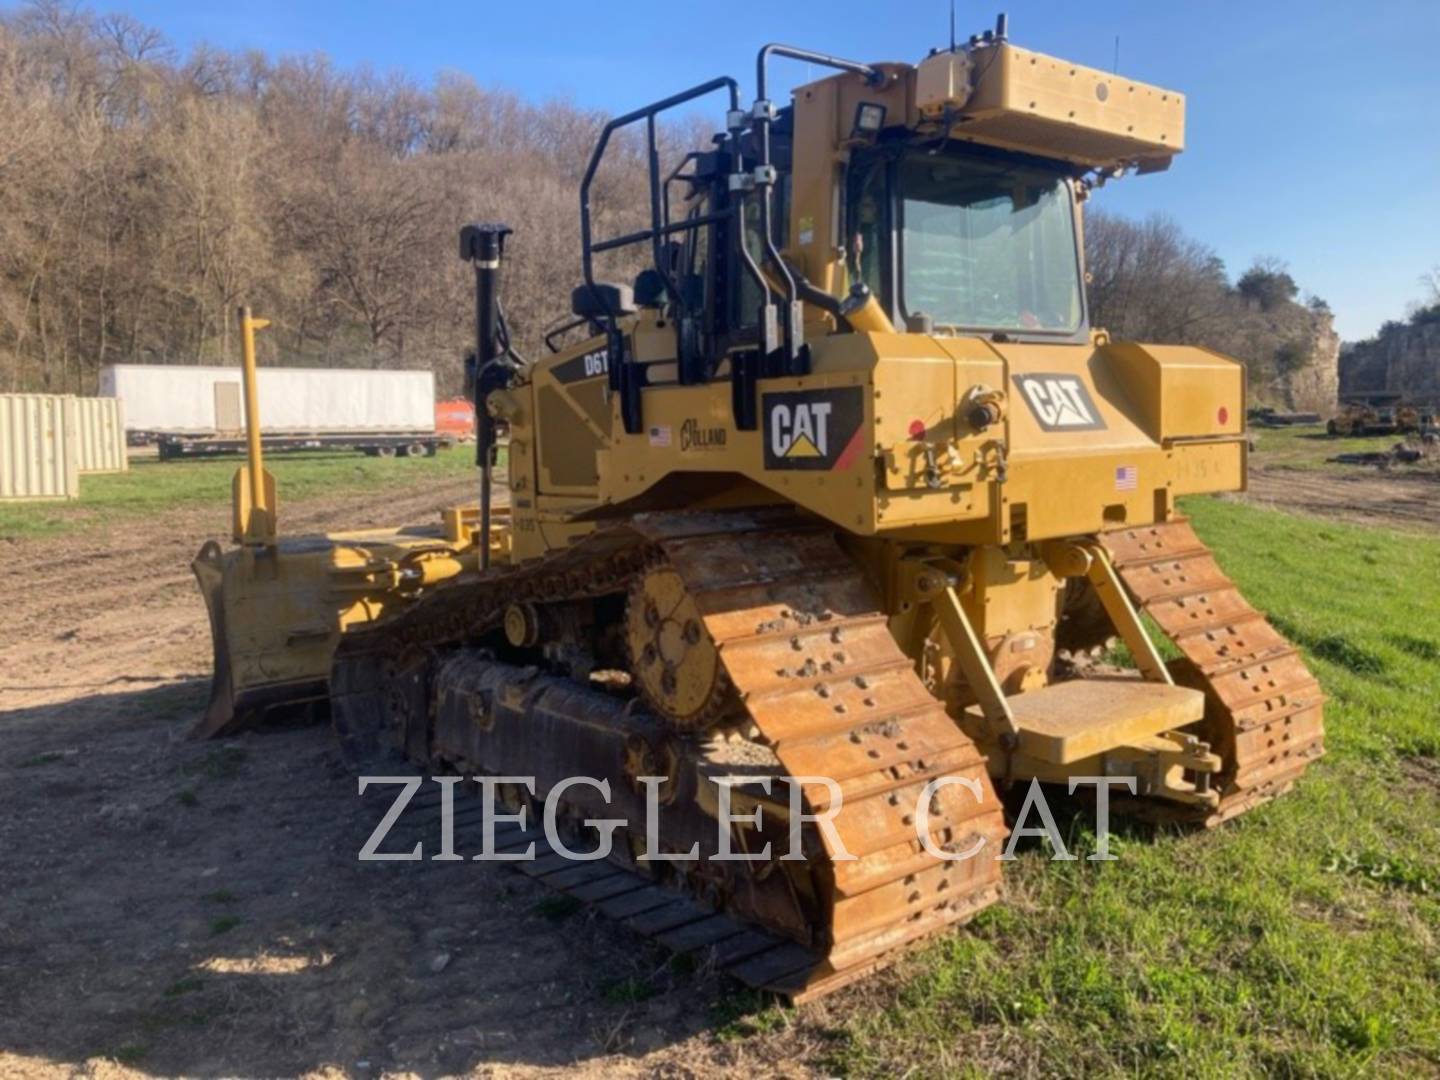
column 1126, row 478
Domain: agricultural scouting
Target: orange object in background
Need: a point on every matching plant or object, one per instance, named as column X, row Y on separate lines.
column 455, row 417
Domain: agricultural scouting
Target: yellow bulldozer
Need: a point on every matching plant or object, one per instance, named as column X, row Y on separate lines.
column 826, row 496
column 1386, row 415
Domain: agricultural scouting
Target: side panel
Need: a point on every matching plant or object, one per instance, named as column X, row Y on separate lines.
column 1081, row 453
column 936, row 470
column 572, row 418
column 814, row 445
column 100, row 435
column 38, row 452
column 560, row 421
column 879, row 438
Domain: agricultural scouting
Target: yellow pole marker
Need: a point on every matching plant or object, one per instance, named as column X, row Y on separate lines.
column 254, row 488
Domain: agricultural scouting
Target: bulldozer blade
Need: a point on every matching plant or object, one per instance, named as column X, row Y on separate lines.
column 220, row 710
column 231, row 708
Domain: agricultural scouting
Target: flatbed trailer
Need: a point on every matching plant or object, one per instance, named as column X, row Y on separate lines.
column 398, row 444
column 1273, row 418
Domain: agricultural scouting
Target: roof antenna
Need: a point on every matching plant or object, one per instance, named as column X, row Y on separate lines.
column 1117, row 54
column 952, row 25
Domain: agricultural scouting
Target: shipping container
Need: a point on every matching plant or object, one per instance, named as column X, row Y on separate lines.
column 183, row 399
column 39, row 457
column 99, row 434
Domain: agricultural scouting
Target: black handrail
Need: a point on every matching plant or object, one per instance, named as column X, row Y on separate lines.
column 658, row 228
column 557, row 331
column 625, row 380
column 684, row 225
column 763, row 118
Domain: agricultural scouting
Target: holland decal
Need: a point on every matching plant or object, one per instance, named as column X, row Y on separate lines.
column 813, row 429
column 695, row 437
column 1060, row 402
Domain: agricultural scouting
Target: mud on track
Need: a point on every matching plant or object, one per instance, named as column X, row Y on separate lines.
column 177, row 907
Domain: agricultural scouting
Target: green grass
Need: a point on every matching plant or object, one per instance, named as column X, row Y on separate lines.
column 223, row 924
column 221, row 763
column 1300, row 940
column 152, row 485
column 188, row 985
column 745, row 1012
column 557, row 908
column 629, row 991
column 50, row 757
column 1306, row 446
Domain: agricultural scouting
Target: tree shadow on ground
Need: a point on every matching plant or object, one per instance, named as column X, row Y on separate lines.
column 199, row 908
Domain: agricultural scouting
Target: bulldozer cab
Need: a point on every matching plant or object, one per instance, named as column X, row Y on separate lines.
column 915, row 207
column 940, row 197
column 946, row 236
column 959, row 239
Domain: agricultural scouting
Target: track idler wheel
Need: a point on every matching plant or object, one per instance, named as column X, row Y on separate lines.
column 673, row 660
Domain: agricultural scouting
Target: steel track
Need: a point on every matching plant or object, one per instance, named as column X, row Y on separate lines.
column 825, row 687
column 1263, row 712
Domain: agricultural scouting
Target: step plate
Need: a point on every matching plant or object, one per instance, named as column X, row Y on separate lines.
column 1070, row 721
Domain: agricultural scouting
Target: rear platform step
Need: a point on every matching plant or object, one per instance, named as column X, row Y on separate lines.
column 1070, row 721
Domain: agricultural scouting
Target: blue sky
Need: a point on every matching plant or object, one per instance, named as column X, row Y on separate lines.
column 1314, row 127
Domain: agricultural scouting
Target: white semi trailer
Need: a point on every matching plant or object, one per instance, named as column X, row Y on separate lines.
column 194, row 411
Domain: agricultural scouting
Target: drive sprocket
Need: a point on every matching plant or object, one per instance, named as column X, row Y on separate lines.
column 673, row 659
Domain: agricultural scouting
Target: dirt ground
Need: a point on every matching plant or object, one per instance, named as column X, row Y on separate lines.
column 172, row 907
column 1363, row 494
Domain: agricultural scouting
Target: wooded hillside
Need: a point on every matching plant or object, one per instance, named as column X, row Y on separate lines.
column 144, row 194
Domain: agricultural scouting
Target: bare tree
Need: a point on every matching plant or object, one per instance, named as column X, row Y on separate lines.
column 1151, row 282
column 1430, row 282
column 144, row 194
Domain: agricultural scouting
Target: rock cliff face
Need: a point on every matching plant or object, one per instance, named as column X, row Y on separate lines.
column 1292, row 353
column 1315, row 386
column 1403, row 358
